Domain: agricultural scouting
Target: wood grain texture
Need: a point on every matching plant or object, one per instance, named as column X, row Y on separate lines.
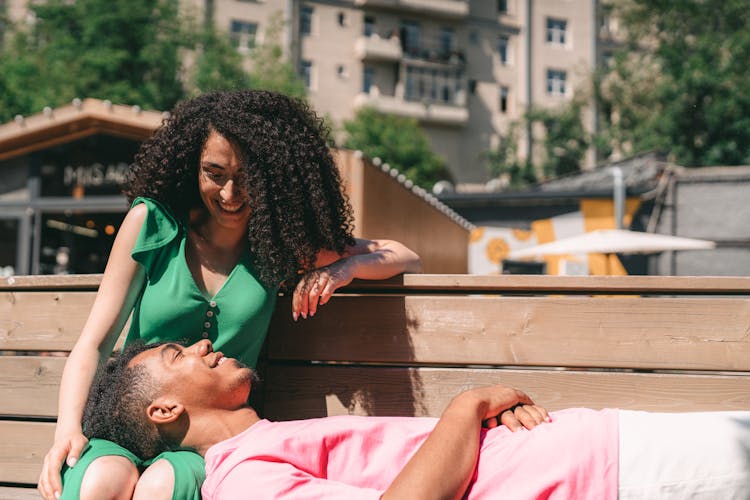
column 49, row 321
column 313, row 391
column 509, row 283
column 29, row 385
column 23, row 449
column 469, row 282
column 52, row 282
column 647, row 333
column 10, row 493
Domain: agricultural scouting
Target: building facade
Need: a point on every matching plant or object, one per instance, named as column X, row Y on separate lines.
column 465, row 69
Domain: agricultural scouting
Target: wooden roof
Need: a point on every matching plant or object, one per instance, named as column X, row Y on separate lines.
column 81, row 118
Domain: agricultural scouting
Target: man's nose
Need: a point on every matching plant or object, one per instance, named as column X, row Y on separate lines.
column 202, row 347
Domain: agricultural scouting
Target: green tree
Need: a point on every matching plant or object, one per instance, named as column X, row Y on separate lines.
column 271, row 69
column 397, row 141
column 680, row 83
column 503, row 161
column 127, row 51
column 218, row 64
column 565, row 139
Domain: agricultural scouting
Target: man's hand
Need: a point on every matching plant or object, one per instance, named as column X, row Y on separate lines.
column 443, row 466
column 500, row 405
column 518, row 417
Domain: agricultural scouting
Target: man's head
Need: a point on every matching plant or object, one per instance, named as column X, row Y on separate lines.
column 145, row 398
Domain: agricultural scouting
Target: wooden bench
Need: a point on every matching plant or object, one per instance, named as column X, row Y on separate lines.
column 407, row 345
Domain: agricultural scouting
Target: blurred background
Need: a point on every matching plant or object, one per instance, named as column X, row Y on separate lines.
column 474, row 131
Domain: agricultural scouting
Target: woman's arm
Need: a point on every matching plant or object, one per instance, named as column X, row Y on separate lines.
column 444, row 465
column 119, row 289
column 366, row 259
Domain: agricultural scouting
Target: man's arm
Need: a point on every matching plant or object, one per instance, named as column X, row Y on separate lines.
column 443, row 466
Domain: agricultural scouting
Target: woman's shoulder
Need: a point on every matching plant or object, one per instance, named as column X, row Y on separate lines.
column 157, row 224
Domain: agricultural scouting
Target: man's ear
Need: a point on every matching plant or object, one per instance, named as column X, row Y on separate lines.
column 164, row 411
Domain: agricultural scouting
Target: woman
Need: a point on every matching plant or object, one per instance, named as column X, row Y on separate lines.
column 234, row 196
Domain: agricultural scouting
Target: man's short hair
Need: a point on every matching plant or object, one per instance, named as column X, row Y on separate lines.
column 117, row 403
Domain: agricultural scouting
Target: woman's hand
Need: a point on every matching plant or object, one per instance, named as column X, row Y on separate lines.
column 366, row 259
column 316, row 287
column 66, row 449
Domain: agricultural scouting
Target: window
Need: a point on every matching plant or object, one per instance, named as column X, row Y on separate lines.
column 410, row 37
column 556, row 82
column 423, row 84
column 556, row 31
column 502, row 6
column 502, row 49
column 306, row 73
column 305, row 20
column 446, row 40
column 369, row 25
column 368, row 77
column 242, row 34
column 341, row 71
column 474, row 38
column 342, row 19
column 504, row 99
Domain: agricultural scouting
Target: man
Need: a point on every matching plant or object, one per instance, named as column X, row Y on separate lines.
column 153, row 398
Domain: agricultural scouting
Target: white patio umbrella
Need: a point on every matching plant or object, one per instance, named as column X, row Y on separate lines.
column 614, row 241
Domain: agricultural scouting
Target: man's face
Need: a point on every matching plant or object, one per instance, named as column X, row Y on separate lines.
column 196, row 376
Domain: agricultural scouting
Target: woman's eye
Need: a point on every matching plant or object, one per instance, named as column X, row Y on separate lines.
column 214, row 176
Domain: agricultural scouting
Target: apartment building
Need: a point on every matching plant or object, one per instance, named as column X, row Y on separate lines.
column 465, row 69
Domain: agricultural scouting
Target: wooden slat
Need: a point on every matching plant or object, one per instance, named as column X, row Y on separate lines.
column 24, row 445
column 8, row 493
column 29, row 385
column 644, row 333
column 52, row 282
column 48, row 321
column 452, row 283
column 292, row 392
column 487, row 283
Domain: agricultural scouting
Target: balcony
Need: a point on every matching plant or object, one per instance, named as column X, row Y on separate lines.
column 377, row 48
column 433, row 112
column 440, row 8
column 434, row 54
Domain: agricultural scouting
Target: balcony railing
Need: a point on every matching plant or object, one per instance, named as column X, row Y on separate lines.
column 445, row 8
column 426, row 111
column 375, row 47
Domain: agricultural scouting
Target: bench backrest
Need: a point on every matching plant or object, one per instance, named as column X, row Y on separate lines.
column 407, row 345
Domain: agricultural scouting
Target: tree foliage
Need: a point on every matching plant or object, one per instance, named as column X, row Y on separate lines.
column 271, row 70
column 681, row 84
column 565, row 139
column 127, row 51
column 504, row 163
column 397, row 141
column 218, row 64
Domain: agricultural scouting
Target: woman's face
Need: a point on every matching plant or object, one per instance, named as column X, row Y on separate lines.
column 219, row 183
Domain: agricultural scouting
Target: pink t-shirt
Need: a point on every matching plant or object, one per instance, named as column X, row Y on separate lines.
column 574, row 456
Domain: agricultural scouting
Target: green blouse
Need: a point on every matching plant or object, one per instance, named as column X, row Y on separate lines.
column 171, row 307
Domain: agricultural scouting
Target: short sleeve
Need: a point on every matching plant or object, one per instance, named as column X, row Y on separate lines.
column 159, row 229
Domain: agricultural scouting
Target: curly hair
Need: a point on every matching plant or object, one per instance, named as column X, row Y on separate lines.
column 117, row 402
column 297, row 203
